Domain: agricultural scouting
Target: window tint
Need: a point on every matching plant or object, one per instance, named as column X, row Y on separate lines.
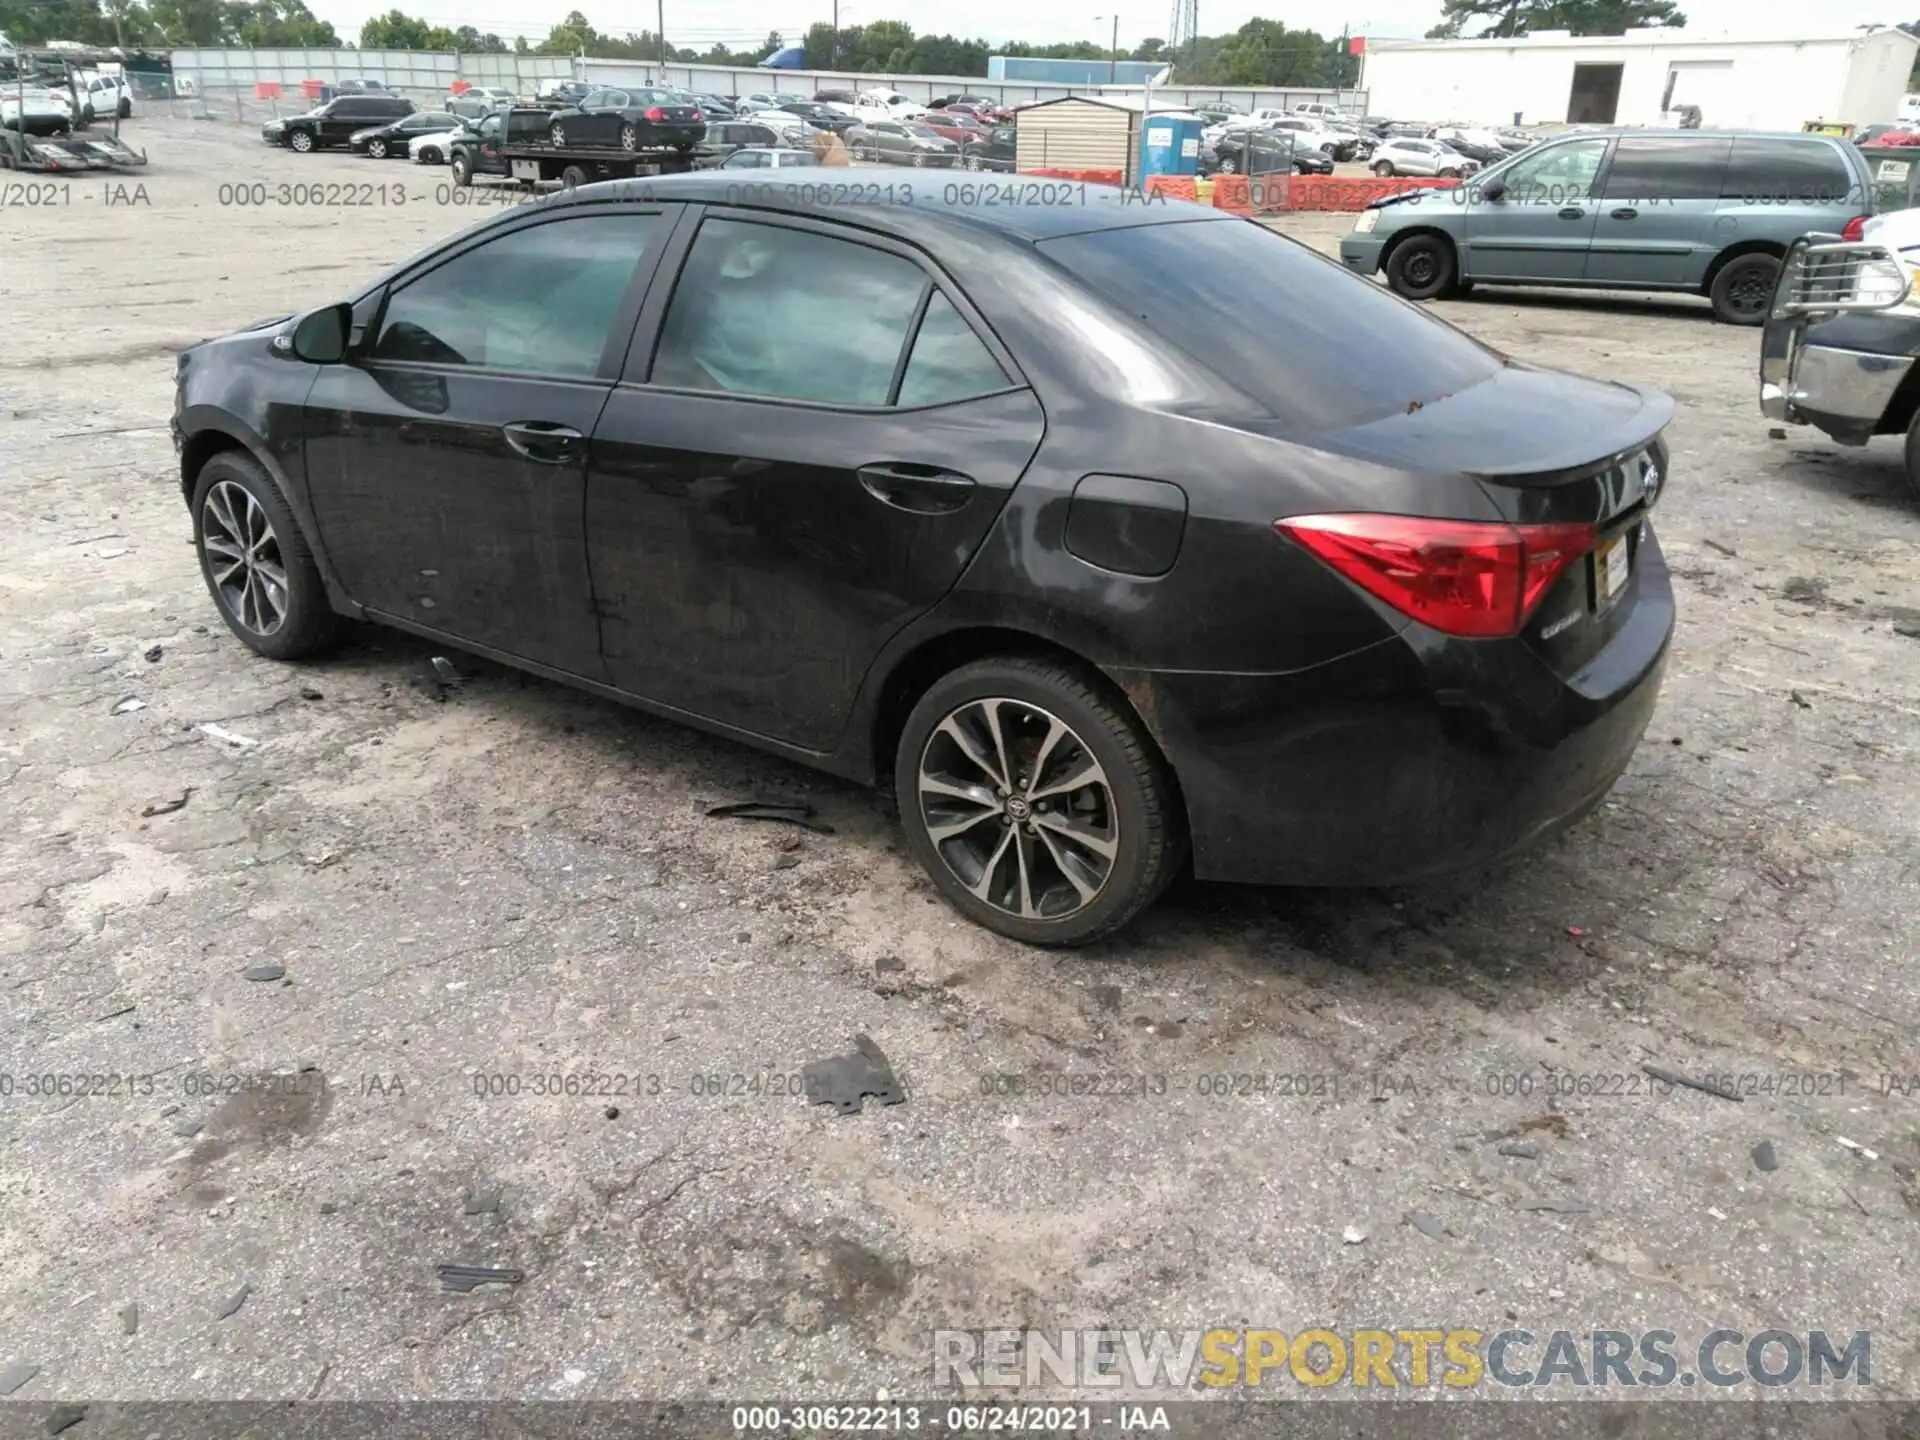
column 949, row 362
column 764, row 310
column 1555, row 176
column 1320, row 347
column 1779, row 171
column 1667, row 168
column 541, row 299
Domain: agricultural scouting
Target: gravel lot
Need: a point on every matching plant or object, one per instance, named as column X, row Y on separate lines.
column 512, row 879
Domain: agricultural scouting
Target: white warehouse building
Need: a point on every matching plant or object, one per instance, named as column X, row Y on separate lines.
column 1643, row 78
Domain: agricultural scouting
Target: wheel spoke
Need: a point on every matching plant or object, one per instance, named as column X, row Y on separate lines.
column 982, row 889
column 972, row 794
column 969, row 746
column 992, row 709
column 223, row 513
column 1022, row 847
column 224, row 548
column 1067, row 864
column 945, row 830
column 1054, row 731
column 1079, row 834
column 1087, row 772
column 233, row 567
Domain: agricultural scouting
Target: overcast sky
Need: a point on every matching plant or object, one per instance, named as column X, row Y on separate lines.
column 742, row 22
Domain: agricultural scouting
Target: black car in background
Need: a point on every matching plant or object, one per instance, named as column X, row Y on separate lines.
column 821, row 116
column 994, row 152
column 381, row 141
column 335, row 123
column 637, row 119
column 714, row 106
column 562, row 94
column 1267, row 152
column 852, row 485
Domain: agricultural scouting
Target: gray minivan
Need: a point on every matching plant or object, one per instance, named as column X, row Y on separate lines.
column 1700, row 211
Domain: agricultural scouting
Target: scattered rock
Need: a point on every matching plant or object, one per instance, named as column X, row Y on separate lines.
column 1797, row 698
column 1521, row 1150
column 467, row 1277
column 1354, row 1235
column 154, row 652
column 327, row 1207
column 1764, row 1158
column 130, row 1319
column 238, row 1298
column 168, row 804
column 127, row 704
column 889, row 964
column 785, row 862
column 16, row 1375
column 1726, row 550
column 612, row 1112
column 187, row 1129
column 64, row 1418
column 1803, row 591
column 227, row 737
column 264, row 972
column 1427, row 1225
column 483, row 1202
column 307, row 692
column 1777, row 432
column 1858, row 1148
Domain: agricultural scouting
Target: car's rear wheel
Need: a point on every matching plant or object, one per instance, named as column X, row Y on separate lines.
column 972, row 162
column 1742, row 292
column 1036, row 802
column 256, row 562
column 1449, row 173
column 1229, row 165
column 557, row 133
column 301, row 141
column 920, row 157
column 1383, row 168
column 1421, row 267
column 429, row 156
column 377, row 149
column 462, row 170
column 629, row 138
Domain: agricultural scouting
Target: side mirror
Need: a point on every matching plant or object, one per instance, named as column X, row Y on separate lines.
column 1492, row 190
column 320, row 338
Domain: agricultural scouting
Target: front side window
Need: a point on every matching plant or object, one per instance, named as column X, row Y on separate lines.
column 1561, row 175
column 489, row 127
column 788, row 314
column 540, row 300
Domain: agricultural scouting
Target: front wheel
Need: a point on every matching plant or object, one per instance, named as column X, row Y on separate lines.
column 1421, row 267
column 557, row 133
column 126, row 109
column 256, row 562
column 377, row 149
column 1229, row 165
column 919, row 157
column 300, row 141
column 462, row 171
column 429, row 156
column 1036, row 801
column 1742, row 292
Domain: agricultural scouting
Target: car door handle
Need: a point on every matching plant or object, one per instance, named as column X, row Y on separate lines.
column 1626, row 214
column 547, row 443
column 920, row 489
column 1572, row 212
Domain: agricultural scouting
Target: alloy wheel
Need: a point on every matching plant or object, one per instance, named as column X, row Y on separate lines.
column 629, row 138
column 301, row 141
column 1018, row 808
column 243, row 557
column 557, row 134
column 377, row 149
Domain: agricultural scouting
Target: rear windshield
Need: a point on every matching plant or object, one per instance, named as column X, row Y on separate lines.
column 1319, row 346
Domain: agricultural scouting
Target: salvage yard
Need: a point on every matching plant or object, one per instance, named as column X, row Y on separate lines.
column 461, row 889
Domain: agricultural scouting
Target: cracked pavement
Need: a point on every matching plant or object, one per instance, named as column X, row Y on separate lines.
column 506, row 888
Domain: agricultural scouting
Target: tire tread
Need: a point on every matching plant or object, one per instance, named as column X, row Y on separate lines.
column 313, row 625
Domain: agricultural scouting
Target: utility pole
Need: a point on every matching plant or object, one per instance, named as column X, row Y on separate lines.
column 662, row 21
column 833, row 61
column 1113, row 55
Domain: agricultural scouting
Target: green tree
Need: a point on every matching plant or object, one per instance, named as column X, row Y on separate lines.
column 396, row 31
column 1482, row 19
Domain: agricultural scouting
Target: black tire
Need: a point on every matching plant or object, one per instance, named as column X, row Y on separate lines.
column 557, row 133
column 300, row 142
column 1149, row 832
column 1913, row 457
column 308, row 622
column 1422, row 267
column 462, row 169
column 377, row 149
column 573, row 177
column 629, row 138
column 126, row 109
column 429, row 156
column 1742, row 292
column 1383, row 168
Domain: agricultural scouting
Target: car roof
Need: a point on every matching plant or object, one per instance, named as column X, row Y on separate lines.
column 930, row 210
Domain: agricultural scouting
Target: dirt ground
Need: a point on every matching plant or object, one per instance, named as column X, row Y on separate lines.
column 510, row 880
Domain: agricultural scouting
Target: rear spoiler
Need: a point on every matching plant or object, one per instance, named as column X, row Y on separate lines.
column 1824, row 275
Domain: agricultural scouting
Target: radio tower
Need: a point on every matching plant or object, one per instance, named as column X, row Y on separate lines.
column 1182, row 30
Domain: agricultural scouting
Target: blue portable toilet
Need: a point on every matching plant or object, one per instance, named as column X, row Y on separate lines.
column 1170, row 144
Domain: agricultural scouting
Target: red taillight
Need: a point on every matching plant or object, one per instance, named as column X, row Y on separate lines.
column 1461, row 577
column 1854, row 228
column 656, row 114
column 699, row 114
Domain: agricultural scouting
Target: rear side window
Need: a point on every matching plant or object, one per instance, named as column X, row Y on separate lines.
column 1320, row 347
column 1785, row 171
column 949, row 362
column 1667, row 168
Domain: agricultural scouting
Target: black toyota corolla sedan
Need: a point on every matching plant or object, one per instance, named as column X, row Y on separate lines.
column 1098, row 562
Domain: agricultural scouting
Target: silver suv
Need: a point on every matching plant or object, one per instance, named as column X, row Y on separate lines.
column 1700, row 211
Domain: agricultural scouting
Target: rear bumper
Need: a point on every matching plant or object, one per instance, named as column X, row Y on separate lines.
column 1361, row 253
column 1409, row 759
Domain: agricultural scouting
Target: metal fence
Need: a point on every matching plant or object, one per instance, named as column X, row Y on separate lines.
column 426, row 75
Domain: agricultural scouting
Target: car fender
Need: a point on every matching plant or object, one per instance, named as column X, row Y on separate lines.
column 288, row 478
